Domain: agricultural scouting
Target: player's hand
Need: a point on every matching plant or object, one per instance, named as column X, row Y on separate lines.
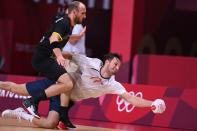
column 66, row 63
column 83, row 31
column 158, row 106
column 61, row 60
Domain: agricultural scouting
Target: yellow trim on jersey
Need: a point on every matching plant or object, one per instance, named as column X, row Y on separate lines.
column 58, row 35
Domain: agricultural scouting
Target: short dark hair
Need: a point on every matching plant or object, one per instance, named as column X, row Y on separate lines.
column 111, row 56
column 73, row 6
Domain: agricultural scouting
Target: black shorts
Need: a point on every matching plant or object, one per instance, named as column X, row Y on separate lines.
column 46, row 65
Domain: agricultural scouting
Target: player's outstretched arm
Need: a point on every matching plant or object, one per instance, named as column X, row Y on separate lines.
column 157, row 106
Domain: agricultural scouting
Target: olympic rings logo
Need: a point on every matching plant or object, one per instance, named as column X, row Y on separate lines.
column 124, row 105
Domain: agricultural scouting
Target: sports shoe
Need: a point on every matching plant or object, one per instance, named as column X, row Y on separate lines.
column 16, row 113
column 31, row 107
column 61, row 125
column 67, row 122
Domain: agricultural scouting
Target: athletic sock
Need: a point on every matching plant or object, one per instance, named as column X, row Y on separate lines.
column 41, row 96
column 64, row 112
column 71, row 104
column 65, row 118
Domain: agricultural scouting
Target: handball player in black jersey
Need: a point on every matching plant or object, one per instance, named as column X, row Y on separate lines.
column 49, row 60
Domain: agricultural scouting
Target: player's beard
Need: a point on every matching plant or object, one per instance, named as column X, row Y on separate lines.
column 77, row 21
column 111, row 71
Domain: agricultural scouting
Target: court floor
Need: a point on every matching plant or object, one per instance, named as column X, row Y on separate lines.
column 82, row 125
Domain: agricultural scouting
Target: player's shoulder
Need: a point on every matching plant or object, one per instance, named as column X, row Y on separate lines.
column 62, row 20
column 97, row 61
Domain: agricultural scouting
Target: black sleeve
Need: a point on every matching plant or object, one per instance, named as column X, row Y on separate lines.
column 62, row 28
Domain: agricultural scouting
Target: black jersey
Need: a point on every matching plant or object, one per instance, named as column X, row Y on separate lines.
column 43, row 59
column 61, row 25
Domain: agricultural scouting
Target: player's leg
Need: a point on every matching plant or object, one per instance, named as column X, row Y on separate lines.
column 54, row 72
column 34, row 89
column 53, row 118
column 51, row 121
column 64, row 109
column 60, row 88
column 13, row 87
column 18, row 113
column 55, row 105
column 65, row 84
